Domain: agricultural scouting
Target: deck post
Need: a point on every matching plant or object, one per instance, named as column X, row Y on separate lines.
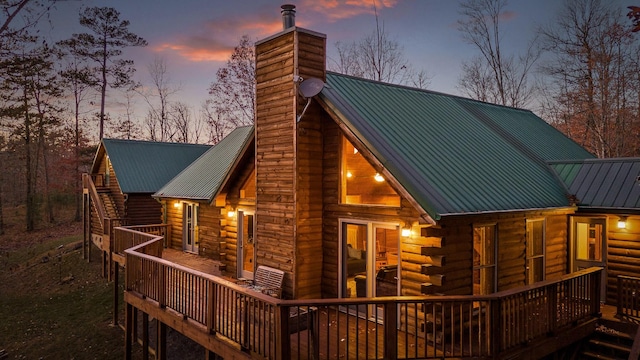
column 134, row 330
column 161, row 340
column 128, row 327
column 162, row 287
column 211, row 309
column 596, row 277
column 619, row 298
column 282, row 336
column 496, row 326
column 553, row 309
column 86, row 222
column 145, row 335
column 390, row 330
column 115, row 295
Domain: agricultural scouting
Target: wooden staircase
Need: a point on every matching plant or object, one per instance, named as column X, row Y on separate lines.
column 610, row 341
column 108, row 204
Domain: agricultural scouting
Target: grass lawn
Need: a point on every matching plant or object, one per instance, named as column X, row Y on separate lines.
column 53, row 304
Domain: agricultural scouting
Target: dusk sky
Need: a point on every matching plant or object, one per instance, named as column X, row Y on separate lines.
column 196, row 37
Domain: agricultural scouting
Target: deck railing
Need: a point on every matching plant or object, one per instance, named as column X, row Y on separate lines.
column 386, row 327
column 130, row 236
column 629, row 296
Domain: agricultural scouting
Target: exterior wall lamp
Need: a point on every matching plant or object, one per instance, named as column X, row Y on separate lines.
column 622, row 222
column 406, row 232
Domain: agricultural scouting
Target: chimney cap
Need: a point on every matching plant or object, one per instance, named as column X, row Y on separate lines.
column 288, row 12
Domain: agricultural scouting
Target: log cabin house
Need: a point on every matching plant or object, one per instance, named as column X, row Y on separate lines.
column 124, row 175
column 189, row 200
column 408, row 223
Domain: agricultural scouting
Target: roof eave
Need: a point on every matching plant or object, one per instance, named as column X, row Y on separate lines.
column 506, row 211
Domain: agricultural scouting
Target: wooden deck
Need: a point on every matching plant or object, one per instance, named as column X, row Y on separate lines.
column 180, row 291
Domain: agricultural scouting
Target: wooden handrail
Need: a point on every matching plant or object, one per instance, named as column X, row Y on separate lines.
column 87, row 182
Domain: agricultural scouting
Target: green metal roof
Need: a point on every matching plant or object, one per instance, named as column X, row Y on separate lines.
column 202, row 179
column 454, row 155
column 611, row 184
column 145, row 166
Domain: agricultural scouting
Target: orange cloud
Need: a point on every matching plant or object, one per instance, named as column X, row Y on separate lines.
column 508, row 15
column 215, row 39
column 335, row 10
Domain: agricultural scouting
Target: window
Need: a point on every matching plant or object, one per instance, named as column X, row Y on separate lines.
column 535, row 251
column 484, row 259
column 360, row 183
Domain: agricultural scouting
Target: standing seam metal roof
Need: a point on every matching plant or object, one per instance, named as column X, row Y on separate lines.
column 603, row 183
column 454, row 155
column 145, row 166
column 202, row 179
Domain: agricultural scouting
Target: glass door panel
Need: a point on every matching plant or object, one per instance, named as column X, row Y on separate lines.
column 246, row 245
column 190, row 235
column 589, row 243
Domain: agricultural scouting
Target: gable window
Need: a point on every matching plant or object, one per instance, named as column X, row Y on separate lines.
column 360, row 183
column 484, row 259
column 535, row 251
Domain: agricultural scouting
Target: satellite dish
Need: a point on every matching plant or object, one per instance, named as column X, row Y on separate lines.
column 310, row 87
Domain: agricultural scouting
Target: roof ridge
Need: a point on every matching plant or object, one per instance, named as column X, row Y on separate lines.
column 434, row 92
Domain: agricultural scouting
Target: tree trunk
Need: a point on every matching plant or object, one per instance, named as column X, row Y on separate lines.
column 1, row 212
column 78, row 190
column 31, row 205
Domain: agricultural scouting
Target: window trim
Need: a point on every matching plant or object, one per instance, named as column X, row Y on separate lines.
column 495, row 255
column 544, row 249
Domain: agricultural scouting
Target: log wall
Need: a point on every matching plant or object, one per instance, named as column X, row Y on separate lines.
column 142, row 209
column 623, row 253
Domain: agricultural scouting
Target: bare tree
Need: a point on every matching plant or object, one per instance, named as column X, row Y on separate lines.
column 233, row 91
column 125, row 127
column 378, row 57
column 181, row 120
column 594, row 77
column 158, row 97
column 217, row 125
column 505, row 77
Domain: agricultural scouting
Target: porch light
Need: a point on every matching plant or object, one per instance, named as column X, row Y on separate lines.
column 406, row 232
column 378, row 177
column 622, row 222
column 349, row 175
column 231, row 213
column 176, row 204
